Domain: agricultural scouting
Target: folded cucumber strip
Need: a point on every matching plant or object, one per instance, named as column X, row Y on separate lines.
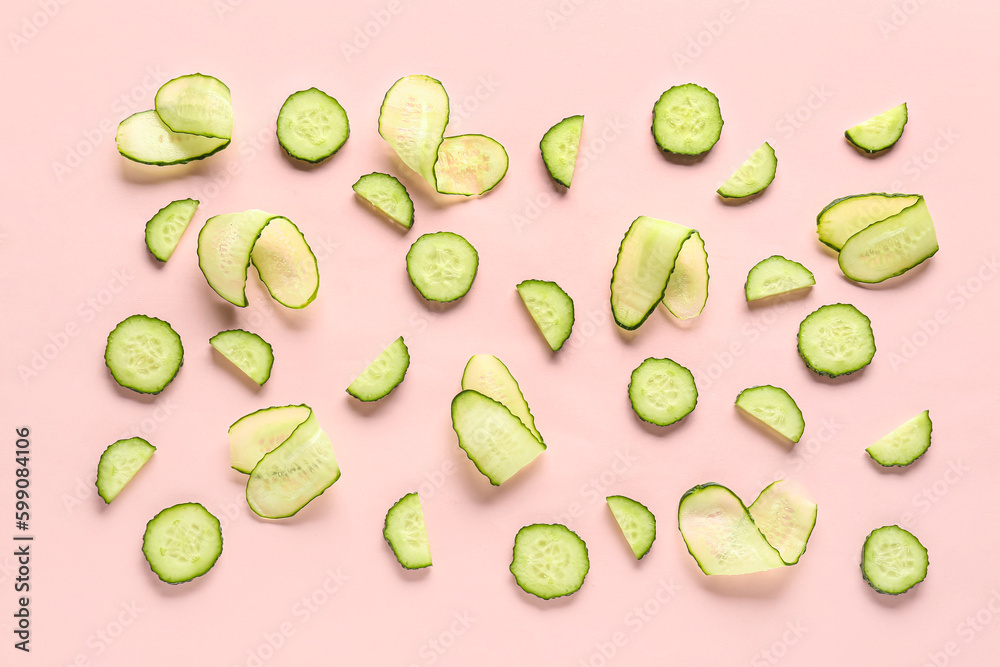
column 893, row 560
column 786, row 516
column 118, row 465
column 383, row 374
column 720, row 534
column 637, row 523
column 687, row 288
column 776, row 275
column 890, row 247
column 469, row 164
column 844, row 217
column 773, row 407
column 182, row 542
column 496, row 441
column 291, row 475
column 286, row 264
column 753, row 176
column 904, row 444
column 387, row 196
column 551, row 309
column 559, row 146
column 247, row 351
column 312, row 126
column 164, row 230
column 879, row 132
column 143, row 138
column 406, row 533
column 687, row 120
column 254, row 435
column 646, row 259
column 549, row 560
column 489, row 376
column 412, row 120
column 836, row 339
column 196, row 104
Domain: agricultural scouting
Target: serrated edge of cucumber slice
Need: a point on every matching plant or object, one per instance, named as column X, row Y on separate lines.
column 828, row 373
column 180, row 344
column 781, row 392
column 922, row 417
column 646, row 361
column 475, row 269
column 898, row 110
column 391, row 542
column 153, row 223
column 406, row 224
column 569, row 535
column 726, row 191
column 327, row 99
column 388, row 389
column 864, row 573
column 210, row 565
column 110, row 450
column 551, row 286
column 562, row 126
column 659, row 100
column 632, row 503
column 788, row 264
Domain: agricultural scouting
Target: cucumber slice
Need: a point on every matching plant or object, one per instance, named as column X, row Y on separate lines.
column 292, row 474
column 254, row 435
column 286, row 264
column 489, row 376
column 776, row 275
column 386, row 195
column 247, row 351
column 843, row 218
column 687, row 288
column 118, row 465
column 720, row 534
column 469, row 164
column 773, row 407
column 836, row 339
column 753, row 176
column 662, row 391
column 442, row 266
column 382, row 375
column 879, row 132
column 890, row 247
column 551, row 308
column 496, row 441
column 412, row 119
column 143, row 138
column 312, row 126
column 224, row 246
column 559, row 146
column 406, row 534
column 905, row 444
column 646, row 259
column 549, row 560
column 637, row 523
column 143, row 354
column 196, row 104
column 893, row 560
column 182, row 542
column 164, row 230
column 687, row 120
column 786, row 516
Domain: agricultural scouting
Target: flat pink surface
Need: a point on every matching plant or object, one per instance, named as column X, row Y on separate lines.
column 323, row 588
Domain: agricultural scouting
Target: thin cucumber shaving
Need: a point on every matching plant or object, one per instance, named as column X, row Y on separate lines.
column 843, row 218
column 406, row 534
column 551, row 309
column 143, row 138
column 469, row 164
column 687, row 120
column 905, row 444
column 286, row 264
column 442, row 266
column 549, row 560
column 256, row 434
column 786, row 516
column 182, row 542
column 753, row 176
column 118, row 465
column 776, row 275
column 196, row 104
column 637, row 523
column 494, row 439
column 383, row 374
column 773, row 407
column 489, row 376
column 836, row 339
column 164, row 230
column 387, row 196
column 247, row 351
column 312, row 126
column 412, row 120
column 687, row 288
column 143, row 354
column 893, row 560
column 559, row 147
column 879, row 132
column 662, row 391
column 890, row 247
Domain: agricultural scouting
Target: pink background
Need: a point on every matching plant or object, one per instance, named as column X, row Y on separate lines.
column 795, row 74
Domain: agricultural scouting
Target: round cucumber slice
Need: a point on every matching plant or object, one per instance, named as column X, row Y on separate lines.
column 559, row 146
column 118, row 465
column 836, row 339
column 753, row 176
column 312, row 126
column 469, row 164
column 406, row 533
column 549, row 561
column 182, row 542
column 143, row 354
column 662, row 391
column 442, row 266
column 893, row 560
column 687, row 120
